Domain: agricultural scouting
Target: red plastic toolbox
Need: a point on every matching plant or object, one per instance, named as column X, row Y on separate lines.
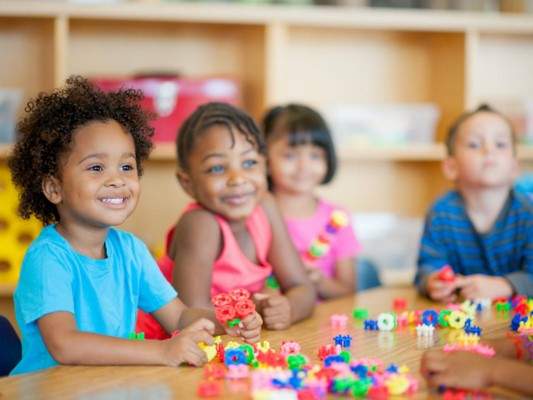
column 174, row 99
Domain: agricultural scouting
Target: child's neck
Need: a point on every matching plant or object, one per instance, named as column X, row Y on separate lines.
column 484, row 205
column 296, row 205
column 89, row 242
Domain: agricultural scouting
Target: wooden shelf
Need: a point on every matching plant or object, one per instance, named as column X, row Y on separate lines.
column 7, row 290
column 166, row 152
column 325, row 16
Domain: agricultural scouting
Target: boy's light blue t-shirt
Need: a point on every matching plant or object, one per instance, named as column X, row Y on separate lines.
column 102, row 294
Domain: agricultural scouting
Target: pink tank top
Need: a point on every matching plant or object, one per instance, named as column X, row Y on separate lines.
column 232, row 269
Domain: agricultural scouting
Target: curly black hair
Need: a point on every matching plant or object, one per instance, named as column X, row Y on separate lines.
column 211, row 114
column 46, row 132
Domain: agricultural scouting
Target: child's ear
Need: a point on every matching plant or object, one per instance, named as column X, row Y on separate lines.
column 52, row 189
column 449, row 167
column 185, row 181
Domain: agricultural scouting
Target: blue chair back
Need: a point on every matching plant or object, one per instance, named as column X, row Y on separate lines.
column 11, row 348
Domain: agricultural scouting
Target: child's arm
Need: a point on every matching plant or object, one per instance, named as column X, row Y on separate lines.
column 484, row 286
column 432, row 257
column 471, row 371
column 68, row 345
column 298, row 301
column 195, row 246
column 343, row 283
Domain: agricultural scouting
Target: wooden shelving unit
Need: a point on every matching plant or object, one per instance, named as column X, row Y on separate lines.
column 318, row 55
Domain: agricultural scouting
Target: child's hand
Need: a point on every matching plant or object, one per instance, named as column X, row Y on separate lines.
column 249, row 329
column 276, row 311
column 459, row 369
column 183, row 348
column 314, row 274
column 442, row 291
column 481, row 286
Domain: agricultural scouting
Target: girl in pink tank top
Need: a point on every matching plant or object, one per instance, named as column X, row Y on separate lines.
column 233, row 235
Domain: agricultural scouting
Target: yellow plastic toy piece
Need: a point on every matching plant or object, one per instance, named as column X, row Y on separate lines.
column 457, row 319
column 232, row 345
column 397, row 385
column 209, row 350
column 263, row 346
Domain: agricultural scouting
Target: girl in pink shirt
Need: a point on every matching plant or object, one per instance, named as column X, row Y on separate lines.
column 233, row 235
column 301, row 158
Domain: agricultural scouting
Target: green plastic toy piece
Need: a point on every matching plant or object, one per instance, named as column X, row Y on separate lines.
column 249, row 351
column 271, row 282
column 136, row 336
column 296, row 361
column 503, row 307
column 234, row 322
column 443, row 321
column 360, row 313
column 360, row 388
column 342, row 385
column 346, row 356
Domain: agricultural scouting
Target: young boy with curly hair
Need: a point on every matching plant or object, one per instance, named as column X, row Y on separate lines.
column 483, row 229
column 77, row 163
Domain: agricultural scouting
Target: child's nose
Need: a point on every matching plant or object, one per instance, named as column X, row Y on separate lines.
column 235, row 178
column 114, row 180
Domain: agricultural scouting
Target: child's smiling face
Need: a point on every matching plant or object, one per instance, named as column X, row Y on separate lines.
column 225, row 174
column 296, row 169
column 98, row 184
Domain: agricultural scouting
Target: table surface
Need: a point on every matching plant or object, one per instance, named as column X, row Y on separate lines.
column 141, row 382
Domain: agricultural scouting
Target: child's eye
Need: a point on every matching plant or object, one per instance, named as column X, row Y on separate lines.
column 216, row 169
column 127, row 167
column 502, row 145
column 289, row 156
column 95, row 168
column 473, row 145
column 316, row 156
column 249, row 163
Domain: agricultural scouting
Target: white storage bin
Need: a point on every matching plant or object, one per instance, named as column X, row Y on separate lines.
column 383, row 125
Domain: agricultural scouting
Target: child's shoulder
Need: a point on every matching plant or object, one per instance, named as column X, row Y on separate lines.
column 522, row 201
column 447, row 202
column 48, row 241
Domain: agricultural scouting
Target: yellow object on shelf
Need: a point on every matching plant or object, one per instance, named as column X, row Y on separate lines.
column 16, row 234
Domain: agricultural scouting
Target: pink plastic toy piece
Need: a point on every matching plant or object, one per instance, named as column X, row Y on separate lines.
column 238, row 371
column 338, row 320
column 289, row 347
column 480, row 349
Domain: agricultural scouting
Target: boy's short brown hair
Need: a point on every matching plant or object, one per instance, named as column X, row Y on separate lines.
column 454, row 128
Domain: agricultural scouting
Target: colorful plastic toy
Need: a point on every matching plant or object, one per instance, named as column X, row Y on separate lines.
column 232, row 307
column 446, row 274
column 338, row 321
column 386, row 322
column 320, row 246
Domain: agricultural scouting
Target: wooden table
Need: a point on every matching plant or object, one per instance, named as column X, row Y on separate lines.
column 401, row 347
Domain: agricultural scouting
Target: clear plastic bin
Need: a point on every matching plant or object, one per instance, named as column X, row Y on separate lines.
column 9, row 103
column 383, row 125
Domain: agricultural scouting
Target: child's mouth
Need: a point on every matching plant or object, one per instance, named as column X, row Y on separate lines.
column 237, row 200
column 114, row 202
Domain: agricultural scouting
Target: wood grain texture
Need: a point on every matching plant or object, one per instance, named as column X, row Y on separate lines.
column 400, row 347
